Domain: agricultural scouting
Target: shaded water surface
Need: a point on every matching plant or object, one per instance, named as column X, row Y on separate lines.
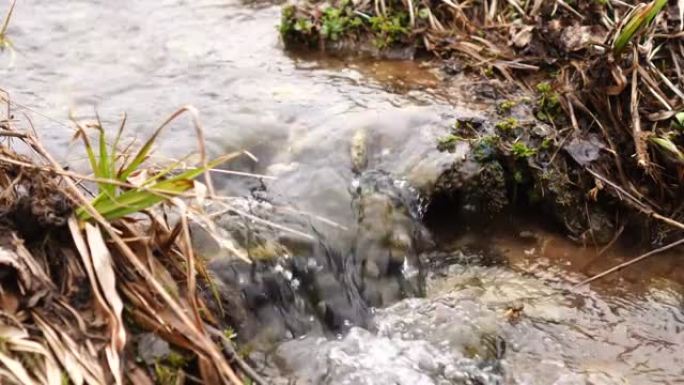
column 499, row 311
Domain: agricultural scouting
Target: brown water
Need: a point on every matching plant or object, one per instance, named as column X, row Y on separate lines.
column 624, row 328
column 299, row 115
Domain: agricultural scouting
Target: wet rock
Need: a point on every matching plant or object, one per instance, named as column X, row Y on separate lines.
column 582, row 219
column 151, row 348
column 584, row 151
column 297, row 284
column 388, row 240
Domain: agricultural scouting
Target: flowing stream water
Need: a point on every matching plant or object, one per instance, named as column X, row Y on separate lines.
column 498, row 304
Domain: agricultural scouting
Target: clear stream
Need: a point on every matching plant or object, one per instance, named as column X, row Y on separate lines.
column 511, row 322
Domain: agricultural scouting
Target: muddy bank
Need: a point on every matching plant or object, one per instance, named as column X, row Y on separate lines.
column 570, row 66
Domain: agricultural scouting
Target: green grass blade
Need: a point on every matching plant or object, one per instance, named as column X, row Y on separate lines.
column 5, row 23
column 140, row 156
column 89, row 151
column 139, row 199
column 115, row 146
column 679, row 118
column 164, row 172
column 636, row 23
column 104, row 167
column 669, row 147
column 134, row 201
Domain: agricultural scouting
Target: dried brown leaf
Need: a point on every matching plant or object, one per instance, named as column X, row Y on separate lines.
column 17, row 369
column 102, row 263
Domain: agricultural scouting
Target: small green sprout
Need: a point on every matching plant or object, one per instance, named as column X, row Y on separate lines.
column 229, row 333
column 667, row 146
column 548, row 102
column 679, row 119
column 544, row 88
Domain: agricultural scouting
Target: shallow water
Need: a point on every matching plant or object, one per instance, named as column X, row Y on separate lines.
column 299, row 115
column 519, row 324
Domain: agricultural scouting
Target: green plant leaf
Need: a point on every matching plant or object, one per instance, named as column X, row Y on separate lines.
column 679, row 118
column 104, row 168
column 636, row 23
column 134, row 201
column 142, row 198
column 668, row 146
column 115, row 146
column 140, row 156
column 5, row 22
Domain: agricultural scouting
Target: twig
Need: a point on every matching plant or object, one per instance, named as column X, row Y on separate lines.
column 637, row 135
column 569, row 8
column 612, row 241
column 233, row 356
column 628, row 263
column 637, row 203
column 13, row 134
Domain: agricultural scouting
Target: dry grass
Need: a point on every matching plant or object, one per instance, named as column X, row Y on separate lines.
column 78, row 289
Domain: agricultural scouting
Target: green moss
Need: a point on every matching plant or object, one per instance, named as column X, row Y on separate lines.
column 389, row 29
column 340, row 21
column 303, row 25
column 176, row 360
column 507, row 125
column 546, row 144
column 448, row 143
column 518, row 177
column 287, row 20
column 485, row 148
column 466, row 126
column 544, row 88
column 266, row 251
column 166, row 375
column 170, row 368
column 548, row 103
column 506, row 106
column 334, row 23
column 520, row 150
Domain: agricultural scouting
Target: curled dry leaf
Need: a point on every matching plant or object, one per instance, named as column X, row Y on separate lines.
column 578, row 37
column 81, row 367
column 522, row 37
